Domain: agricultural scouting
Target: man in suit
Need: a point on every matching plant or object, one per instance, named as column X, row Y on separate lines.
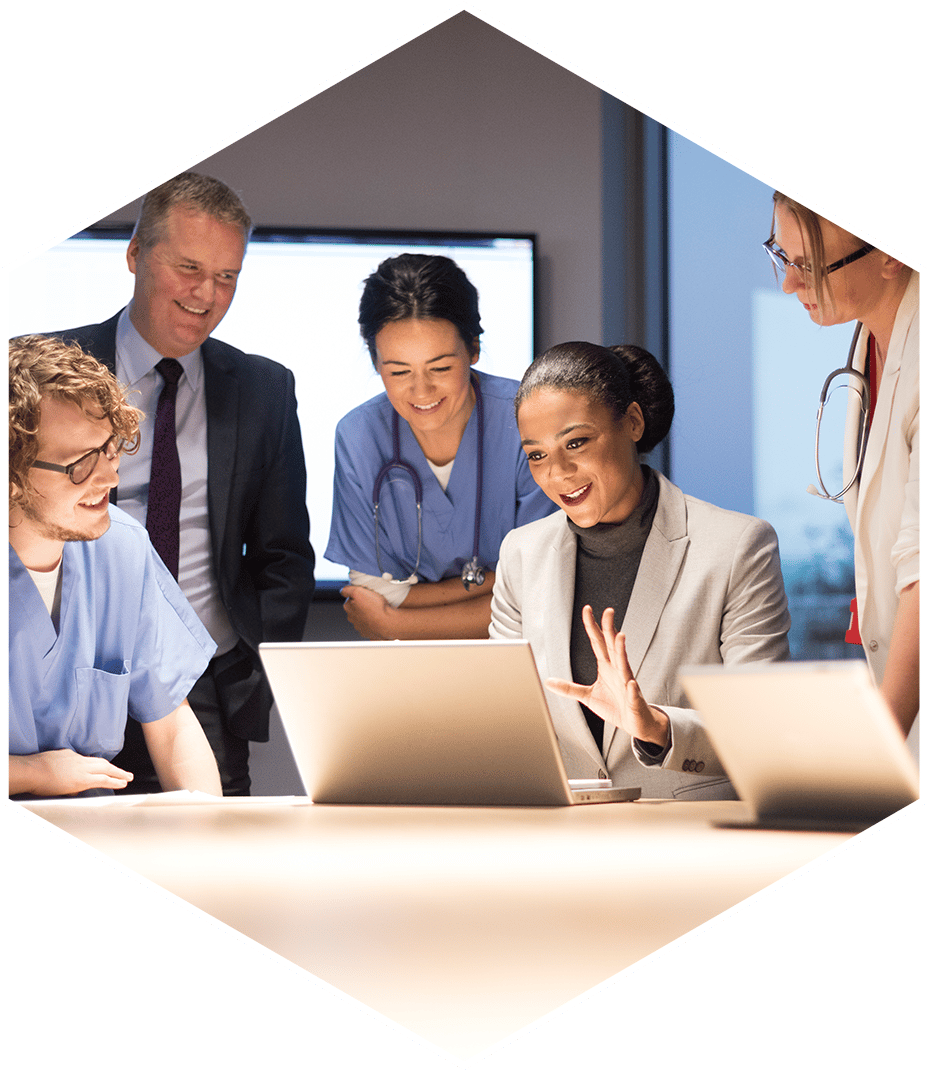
column 241, row 544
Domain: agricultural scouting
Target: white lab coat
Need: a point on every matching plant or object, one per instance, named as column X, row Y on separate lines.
column 883, row 509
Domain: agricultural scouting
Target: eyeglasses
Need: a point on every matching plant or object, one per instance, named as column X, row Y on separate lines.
column 80, row 470
column 781, row 263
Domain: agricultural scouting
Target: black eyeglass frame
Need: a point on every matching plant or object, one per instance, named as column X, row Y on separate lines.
column 779, row 259
column 69, row 470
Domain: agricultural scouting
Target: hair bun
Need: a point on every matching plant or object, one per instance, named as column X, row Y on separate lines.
column 652, row 390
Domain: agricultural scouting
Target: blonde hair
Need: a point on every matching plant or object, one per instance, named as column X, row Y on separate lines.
column 813, row 244
column 43, row 366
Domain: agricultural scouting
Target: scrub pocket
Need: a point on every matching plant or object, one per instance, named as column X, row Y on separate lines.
column 98, row 718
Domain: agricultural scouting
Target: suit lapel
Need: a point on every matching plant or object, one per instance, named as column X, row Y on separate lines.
column 876, row 440
column 657, row 574
column 852, row 429
column 863, row 498
column 105, row 342
column 569, row 723
column 222, row 406
column 558, row 603
column 660, row 564
column 857, row 500
column 101, row 339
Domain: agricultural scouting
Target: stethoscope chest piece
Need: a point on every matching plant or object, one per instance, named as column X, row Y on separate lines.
column 473, row 573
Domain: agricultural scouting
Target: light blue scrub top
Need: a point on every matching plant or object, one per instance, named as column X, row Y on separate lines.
column 364, row 442
column 128, row 642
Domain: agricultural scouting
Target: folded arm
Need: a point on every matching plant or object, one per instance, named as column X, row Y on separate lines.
column 444, row 609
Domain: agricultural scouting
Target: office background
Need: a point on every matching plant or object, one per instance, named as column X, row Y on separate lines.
column 643, row 237
column 831, row 920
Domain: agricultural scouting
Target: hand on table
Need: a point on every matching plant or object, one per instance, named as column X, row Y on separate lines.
column 63, row 773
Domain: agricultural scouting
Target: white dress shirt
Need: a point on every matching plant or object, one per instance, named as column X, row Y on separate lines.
column 135, row 368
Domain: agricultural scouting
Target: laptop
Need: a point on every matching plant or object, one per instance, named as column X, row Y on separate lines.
column 808, row 745
column 443, row 723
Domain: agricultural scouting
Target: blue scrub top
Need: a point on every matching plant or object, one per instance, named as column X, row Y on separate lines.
column 364, row 443
column 128, row 643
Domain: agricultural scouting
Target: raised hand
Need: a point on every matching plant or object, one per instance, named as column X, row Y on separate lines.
column 615, row 695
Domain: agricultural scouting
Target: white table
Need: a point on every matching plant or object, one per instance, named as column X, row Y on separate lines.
column 462, row 924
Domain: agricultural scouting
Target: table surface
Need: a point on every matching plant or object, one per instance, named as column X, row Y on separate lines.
column 461, row 924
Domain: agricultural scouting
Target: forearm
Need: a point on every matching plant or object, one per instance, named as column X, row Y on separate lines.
column 181, row 753
column 469, row 619
column 24, row 775
column 900, row 680
column 447, row 592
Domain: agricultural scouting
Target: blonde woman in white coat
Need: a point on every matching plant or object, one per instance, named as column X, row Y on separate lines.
column 839, row 279
column 687, row 582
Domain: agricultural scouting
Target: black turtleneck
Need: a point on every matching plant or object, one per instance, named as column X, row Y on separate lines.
column 608, row 556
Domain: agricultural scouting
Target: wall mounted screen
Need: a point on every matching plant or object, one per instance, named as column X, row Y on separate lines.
column 297, row 302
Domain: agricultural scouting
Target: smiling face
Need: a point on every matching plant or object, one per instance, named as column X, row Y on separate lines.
column 425, row 368
column 184, row 284
column 856, row 288
column 59, row 511
column 583, row 459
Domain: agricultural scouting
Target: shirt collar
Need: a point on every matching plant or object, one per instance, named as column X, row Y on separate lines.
column 137, row 358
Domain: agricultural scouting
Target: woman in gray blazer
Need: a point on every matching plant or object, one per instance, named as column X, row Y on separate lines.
column 684, row 581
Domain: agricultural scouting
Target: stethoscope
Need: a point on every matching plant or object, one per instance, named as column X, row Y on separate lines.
column 863, row 392
column 472, row 572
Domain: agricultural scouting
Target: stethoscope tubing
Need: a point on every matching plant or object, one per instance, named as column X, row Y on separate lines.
column 864, row 392
column 397, row 462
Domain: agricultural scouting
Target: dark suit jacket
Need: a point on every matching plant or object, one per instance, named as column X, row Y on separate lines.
column 256, row 489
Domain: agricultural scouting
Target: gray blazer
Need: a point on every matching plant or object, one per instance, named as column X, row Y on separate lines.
column 708, row 590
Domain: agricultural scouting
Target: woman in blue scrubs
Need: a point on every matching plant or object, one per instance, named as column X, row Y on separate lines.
column 430, row 475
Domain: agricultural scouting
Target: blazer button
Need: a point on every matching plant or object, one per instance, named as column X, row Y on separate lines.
column 700, row 766
column 686, row 765
column 873, row 645
column 603, row 776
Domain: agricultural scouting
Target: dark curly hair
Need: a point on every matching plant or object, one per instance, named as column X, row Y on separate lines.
column 41, row 366
column 614, row 376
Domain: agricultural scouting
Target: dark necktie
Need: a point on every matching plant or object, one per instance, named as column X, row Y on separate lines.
column 163, row 519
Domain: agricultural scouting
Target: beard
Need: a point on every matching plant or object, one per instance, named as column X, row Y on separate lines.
column 48, row 529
